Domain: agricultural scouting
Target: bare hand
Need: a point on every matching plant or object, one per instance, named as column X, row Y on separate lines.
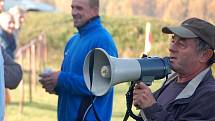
column 49, row 81
column 142, row 96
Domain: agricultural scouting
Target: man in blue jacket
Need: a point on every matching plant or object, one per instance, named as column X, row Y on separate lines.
column 189, row 93
column 69, row 83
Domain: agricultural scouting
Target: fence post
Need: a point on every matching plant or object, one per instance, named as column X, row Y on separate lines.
column 33, row 66
column 28, row 56
column 43, row 48
column 21, row 85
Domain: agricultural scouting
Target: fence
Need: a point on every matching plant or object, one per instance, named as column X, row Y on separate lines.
column 32, row 57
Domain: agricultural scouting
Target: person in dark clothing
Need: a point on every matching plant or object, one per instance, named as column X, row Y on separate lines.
column 10, row 76
column 7, row 39
column 189, row 93
column 12, row 71
column 69, row 83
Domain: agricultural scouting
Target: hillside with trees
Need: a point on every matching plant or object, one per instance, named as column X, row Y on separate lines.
column 165, row 9
column 162, row 9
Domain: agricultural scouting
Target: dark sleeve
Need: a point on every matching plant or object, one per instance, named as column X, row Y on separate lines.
column 157, row 113
column 199, row 109
column 12, row 71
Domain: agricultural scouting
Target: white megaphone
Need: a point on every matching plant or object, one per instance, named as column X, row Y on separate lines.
column 102, row 71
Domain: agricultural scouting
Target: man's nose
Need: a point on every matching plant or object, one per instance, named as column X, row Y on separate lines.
column 74, row 11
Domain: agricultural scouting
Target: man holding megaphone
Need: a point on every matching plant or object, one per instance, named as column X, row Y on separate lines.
column 188, row 94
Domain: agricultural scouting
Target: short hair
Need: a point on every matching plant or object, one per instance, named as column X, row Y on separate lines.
column 4, row 15
column 16, row 10
column 202, row 46
column 94, row 3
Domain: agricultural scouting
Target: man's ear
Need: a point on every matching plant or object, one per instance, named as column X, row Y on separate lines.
column 94, row 11
column 206, row 55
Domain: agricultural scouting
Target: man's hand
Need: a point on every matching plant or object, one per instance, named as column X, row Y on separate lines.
column 49, row 81
column 142, row 96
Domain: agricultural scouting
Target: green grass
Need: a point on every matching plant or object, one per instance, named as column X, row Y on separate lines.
column 44, row 105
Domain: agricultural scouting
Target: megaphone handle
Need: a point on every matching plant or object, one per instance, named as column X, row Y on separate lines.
column 129, row 102
column 147, row 80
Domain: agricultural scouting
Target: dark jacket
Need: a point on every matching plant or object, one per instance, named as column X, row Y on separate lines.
column 8, row 42
column 12, row 71
column 196, row 102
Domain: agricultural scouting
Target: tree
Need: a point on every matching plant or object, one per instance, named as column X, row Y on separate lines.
column 144, row 7
column 176, row 10
column 210, row 10
column 197, row 8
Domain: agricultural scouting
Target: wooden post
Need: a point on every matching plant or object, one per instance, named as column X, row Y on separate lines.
column 21, row 85
column 7, row 97
column 28, row 58
column 43, row 49
column 33, row 65
column 38, row 57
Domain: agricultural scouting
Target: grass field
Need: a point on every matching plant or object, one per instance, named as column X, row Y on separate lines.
column 43, row 107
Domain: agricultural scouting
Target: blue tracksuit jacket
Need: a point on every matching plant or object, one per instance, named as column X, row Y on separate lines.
column 71, row 87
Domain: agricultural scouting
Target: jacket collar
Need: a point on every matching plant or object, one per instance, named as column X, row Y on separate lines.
column 189, row 90
column 191, row 87
column 92, row 23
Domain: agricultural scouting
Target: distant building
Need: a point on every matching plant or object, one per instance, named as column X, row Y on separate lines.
column 29, row 5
